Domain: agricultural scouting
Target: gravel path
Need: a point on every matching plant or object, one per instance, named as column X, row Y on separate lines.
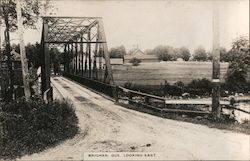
column 106, row 127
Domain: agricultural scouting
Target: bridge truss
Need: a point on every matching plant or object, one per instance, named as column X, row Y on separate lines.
column 85, row 51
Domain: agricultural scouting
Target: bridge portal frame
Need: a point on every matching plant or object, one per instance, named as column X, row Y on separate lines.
column 74, row 33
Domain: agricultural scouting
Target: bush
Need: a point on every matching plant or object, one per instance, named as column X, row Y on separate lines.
column 200, row 87
column 173, row 90
column 30, row 127
column 200, row 54
column 128, row 85
column 135, row 61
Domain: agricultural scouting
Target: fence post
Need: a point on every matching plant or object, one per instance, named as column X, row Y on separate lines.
column 164, row 106
column 146, row 100
column 164, row 103
column 116, row 93
column 129, row 97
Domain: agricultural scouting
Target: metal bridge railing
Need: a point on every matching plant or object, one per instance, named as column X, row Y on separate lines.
column 98, row 86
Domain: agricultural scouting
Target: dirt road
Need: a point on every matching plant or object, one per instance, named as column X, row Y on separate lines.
column 109, row 127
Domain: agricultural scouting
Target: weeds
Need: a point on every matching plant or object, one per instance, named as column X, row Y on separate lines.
column 30, row 127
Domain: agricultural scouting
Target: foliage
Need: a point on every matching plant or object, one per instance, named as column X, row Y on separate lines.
column 200, row 54
column 223, row 54
column 30, row 127
column 34, row 54
column 128, row 85
column 239, row 59
column 199, row 87
column 1, row 54
column 180, row 84
column 30, row 11
column 117, row 52
column 168, row 53
column 164, row 53
column 184, row 53
column 173, row 90
column 135, row 61
column 149, row 52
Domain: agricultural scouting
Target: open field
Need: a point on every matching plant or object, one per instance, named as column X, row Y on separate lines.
column 156, row 73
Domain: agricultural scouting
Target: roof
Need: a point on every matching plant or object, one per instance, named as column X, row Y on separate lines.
column 137, row 53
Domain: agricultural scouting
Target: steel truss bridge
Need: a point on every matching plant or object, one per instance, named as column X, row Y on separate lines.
column 84, row 47
column 86, row 60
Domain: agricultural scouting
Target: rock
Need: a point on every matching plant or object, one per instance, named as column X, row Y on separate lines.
column 241, row 94
column 199, row 117
column 133, row 147
column 184, row 116
column 186, row 95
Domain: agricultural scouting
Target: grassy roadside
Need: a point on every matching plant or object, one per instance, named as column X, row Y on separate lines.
column 31, row 127
column 223, row 124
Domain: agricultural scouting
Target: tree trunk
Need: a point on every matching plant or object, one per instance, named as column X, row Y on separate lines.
column 22, row 52
column 8, row 50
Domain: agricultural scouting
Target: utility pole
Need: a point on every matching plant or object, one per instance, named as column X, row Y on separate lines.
column 22, row 51
column 216, row 109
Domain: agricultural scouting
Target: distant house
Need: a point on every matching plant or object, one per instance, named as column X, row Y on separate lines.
column 113, row 62
column 116, row 61
column 138, row 54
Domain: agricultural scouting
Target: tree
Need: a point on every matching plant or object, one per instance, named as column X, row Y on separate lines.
column 1, row 54
column 239, row 59
column 117, row 52
column 200, row 54
column 135, row 61
column 184, row 53
column 149, row 52
column 33, row 54
column 223, row 55
column 164, row 53
column 174, row 53
column 30, row 11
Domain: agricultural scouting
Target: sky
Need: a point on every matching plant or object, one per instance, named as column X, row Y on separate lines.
column 148, row 23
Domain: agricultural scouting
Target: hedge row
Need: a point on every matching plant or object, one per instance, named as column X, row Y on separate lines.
column 30, row 127
column 198, row 87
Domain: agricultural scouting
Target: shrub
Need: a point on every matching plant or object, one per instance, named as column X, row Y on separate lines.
column 199, row 87
column 200, row 54
column 128, row 85
column 31, row 127
column 239, row 62
column 135, row 61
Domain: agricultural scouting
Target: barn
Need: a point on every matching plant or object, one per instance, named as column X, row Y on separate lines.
column 138, row 54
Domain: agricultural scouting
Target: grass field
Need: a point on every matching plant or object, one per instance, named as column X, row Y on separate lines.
column 156, row 73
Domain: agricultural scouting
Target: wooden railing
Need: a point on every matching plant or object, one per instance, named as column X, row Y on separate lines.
column 149, row 101
column 152, row 102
